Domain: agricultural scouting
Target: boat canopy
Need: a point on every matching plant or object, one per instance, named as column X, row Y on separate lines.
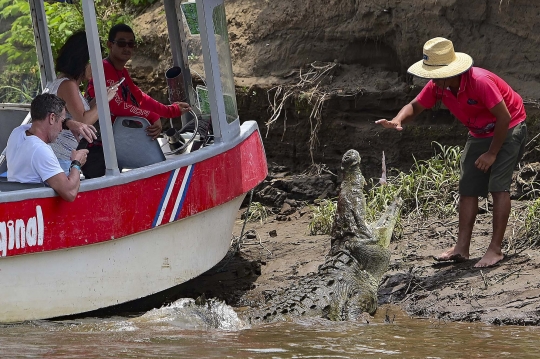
column 203, row 20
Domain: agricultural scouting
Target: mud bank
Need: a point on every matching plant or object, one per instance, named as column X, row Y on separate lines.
column 372, row 43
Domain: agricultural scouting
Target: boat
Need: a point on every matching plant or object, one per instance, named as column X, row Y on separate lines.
column 138, row 230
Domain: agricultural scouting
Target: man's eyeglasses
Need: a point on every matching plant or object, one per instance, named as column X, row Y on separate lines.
column 123, row 43
column 62, row 119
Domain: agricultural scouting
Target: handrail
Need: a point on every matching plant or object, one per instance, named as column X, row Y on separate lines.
column 15, row 106
column 98, row 76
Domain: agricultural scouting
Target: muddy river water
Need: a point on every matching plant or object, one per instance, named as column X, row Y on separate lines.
column 179, row 333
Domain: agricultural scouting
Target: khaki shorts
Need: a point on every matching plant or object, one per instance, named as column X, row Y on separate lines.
column 475, row 183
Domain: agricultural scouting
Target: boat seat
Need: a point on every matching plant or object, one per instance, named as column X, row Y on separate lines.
column 134, row 148
column 6, row 186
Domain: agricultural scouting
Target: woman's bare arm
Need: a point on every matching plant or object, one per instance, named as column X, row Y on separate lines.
column 69, row 92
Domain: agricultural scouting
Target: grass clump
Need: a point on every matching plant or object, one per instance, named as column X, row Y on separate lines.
column 526, row 227
column 530, row 232
column 429, row 189
column 256, row 213
column 323, row 217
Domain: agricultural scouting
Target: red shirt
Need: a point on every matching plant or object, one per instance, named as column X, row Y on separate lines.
column 479, row 91
column 130, row 100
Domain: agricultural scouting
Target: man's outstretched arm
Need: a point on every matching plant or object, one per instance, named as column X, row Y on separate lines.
column 408, row 113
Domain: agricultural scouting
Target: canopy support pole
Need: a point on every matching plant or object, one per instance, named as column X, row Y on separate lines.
column 98, row 76
column 43, row 43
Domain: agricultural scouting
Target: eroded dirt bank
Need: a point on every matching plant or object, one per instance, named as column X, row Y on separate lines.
column 369, row 44
column 372, row 43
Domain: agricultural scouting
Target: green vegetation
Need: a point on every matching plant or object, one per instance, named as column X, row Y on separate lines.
column 256, row 212
column 142, row 3
column 189, row 9
column 531, row 227
column 19, row 76
column 323, row 217
column 429, row 189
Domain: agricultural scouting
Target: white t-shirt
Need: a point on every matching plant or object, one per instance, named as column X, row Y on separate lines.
column 29, row 159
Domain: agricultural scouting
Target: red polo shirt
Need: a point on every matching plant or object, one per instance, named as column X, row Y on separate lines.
column 479, row 91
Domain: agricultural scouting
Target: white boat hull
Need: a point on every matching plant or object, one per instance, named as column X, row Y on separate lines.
column 81, row 279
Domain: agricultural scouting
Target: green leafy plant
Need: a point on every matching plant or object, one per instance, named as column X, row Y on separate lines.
column 17, row 44
column 430, row 188
column 142, row 2
column 322, row 217
column 257, row 212
column 14, row 95
column 531, row 226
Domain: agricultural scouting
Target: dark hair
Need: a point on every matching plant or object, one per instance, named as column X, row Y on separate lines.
column 73, row 56
column 119, row 28
column 44, row 104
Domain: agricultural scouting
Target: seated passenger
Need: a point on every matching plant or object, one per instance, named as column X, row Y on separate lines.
column 129, row 99
column 29, row 157
column 73, row 67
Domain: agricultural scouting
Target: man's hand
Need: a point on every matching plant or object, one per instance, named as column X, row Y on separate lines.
column 81, row 130
column 79, row 155
column 154, row 130
column 390, row 124
column 68, row 186
column 484, row 162
column 184, row 107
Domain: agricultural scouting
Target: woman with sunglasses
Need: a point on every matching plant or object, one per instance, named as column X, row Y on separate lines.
column 73, row 67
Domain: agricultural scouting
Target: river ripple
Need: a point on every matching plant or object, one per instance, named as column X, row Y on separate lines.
column 168, row 335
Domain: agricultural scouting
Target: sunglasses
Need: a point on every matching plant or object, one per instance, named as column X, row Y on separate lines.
column 123, row 43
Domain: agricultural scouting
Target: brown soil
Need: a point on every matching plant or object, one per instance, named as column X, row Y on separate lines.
column 372, row 43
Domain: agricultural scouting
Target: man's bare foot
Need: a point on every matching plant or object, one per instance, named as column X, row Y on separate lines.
column 489, row 259
column 451, row 255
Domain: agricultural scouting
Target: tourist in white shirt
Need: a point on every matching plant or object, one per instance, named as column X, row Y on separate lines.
column 29, row 157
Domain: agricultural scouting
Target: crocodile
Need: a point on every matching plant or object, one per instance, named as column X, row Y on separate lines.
column 345, row 285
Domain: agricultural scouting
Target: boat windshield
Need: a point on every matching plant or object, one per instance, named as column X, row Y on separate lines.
column 223, row 49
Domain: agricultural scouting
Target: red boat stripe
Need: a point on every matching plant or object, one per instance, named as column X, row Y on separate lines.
column 165, row 198
column 116, row 211
column 181, row 193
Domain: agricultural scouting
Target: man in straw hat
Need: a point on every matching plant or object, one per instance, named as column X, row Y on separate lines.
column 495, row 116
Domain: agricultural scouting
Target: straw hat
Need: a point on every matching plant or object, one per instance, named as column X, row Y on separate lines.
column 440, row 61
